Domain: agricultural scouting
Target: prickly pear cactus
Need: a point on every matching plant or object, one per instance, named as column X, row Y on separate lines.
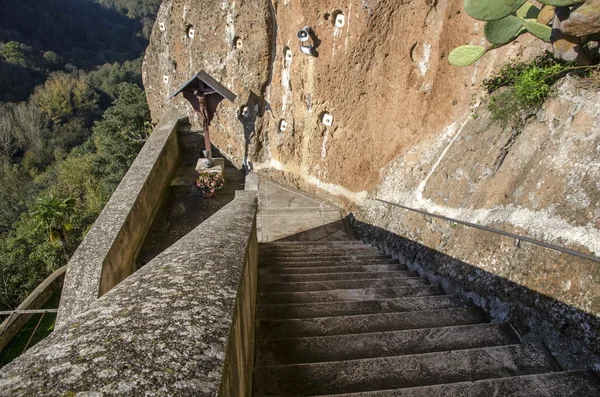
column 508, row 19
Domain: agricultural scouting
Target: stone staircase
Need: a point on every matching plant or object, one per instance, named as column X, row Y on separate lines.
column 342, row 318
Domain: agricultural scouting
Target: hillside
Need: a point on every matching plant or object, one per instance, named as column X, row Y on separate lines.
column 73, row 116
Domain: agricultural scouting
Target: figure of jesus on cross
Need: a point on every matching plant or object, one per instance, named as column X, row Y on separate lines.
column 199, row 99
column 201, row 95
column 204, row 93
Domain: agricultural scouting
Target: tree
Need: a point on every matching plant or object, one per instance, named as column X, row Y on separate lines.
column 66, row 94
column 54, row 215
column 15, row 194
column 119, row 136
column 129, row 116
column 17, row 53
column 52, row 58
column 9, row 143
column 30, row 124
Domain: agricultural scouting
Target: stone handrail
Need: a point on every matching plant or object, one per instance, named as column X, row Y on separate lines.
column 182, row 325
column 40, row 295
column 107, row 254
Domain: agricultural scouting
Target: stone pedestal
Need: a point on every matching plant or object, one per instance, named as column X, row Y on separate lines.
column 218, row 166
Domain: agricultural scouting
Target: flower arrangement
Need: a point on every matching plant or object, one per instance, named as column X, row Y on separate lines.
column 209, row 182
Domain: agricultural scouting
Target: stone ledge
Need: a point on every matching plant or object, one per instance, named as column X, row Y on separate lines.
column 165, row 330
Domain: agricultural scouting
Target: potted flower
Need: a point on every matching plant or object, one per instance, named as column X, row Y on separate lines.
column 209, row 182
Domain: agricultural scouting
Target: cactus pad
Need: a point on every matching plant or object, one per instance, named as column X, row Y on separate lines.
column 466, row 55
column 503, row 31
column 528, row 11
column 561, row 3
column 537, row 29
column 492, row 10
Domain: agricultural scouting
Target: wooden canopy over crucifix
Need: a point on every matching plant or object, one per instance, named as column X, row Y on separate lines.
column 204, row 93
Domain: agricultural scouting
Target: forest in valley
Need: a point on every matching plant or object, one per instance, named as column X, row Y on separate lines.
column 73, row 116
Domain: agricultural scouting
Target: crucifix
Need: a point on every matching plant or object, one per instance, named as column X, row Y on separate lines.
column 204, row 93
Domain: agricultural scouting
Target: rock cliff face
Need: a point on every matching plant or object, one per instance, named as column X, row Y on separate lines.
column 403, row 130
column 383, row 76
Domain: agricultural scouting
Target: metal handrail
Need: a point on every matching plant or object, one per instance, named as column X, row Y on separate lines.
column 492, row 230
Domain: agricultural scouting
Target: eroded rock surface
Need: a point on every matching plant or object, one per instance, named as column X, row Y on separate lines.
column 541, row 182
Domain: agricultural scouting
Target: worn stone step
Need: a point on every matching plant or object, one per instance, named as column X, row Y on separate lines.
column 382, row 344
column 299, row 278
column 309, row 243
column 552, row 384
column 326, row 263
column 328, row 257
column 342, row 284
column 402, row 371
column 347, row 295
column 331, row 309
column 332, row 269
column 366, row 249
column 312, row 253
column 323, row 326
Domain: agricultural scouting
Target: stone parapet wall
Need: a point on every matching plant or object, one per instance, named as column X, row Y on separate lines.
column 107, row 254
column 180, row 326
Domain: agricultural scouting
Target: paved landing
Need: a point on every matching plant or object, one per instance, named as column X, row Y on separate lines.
column 286, row 214
column 185, row 208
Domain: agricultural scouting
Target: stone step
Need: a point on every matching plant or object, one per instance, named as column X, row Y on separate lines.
column 347, row 295
column 299, row 278
column 342, row 284
column 553, row 384
column 363, row 249
column 402, row 371
column 382, row 344
column 323, row 326
column 326, row 263
column 332, row 269
column 328, row 257
column 310, row 243
column 331, row 309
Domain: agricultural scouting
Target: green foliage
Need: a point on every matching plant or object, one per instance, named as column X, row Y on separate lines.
column 39, row 37
column 108, row 77
column 66, row 94
column 120, row 135
column 505, row 107
column 527, row 85
column 509, row 72
column 15, row 194
column 17, row 53
column 533, row 85
column 134, row 9
column 54, row 215
column 48, row 147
